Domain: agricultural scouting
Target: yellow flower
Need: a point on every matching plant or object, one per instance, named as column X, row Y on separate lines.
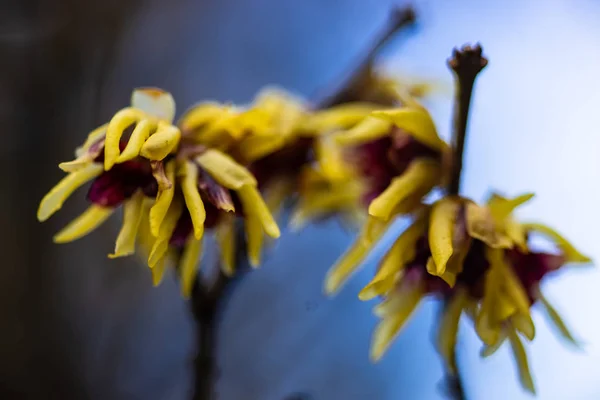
column 475, row 256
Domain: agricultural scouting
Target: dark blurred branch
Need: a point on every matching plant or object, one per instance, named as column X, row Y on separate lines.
column 345, row 89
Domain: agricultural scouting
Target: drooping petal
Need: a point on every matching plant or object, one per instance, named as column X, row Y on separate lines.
column 446, row 340
column 368, row 130
column 522, row 363
column 524, row 325
column 570, row 252
column 276, row 192
column 55, row 198
column 516, row 233
column 163, row 199
column 132, row 216
column 489, row 349
column 511, row 287
column 155, row 102
column 557, row 321
column 85, row 155
column 158, row 271
column 420, row 177
column 487, row 327
column 225, row 170
column 312, row 207
column 161, row 143
column 225, row 236
column 254, row 239
column 331, row 159
column 140, row 134
column 167, row 227
column 189, row 265
column 501, row 207
column 254, row 205
column 395, row 319
column 345, row 266
column 481, row 225
column 416, row 122
column 93, row 217
column 117, row 125
column 189, row 185
column 444, row 215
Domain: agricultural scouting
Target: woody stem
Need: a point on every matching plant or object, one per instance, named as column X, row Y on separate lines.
column 466, row 63
column 400, row 19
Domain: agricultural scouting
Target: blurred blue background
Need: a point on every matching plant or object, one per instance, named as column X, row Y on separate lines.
column 99, row 328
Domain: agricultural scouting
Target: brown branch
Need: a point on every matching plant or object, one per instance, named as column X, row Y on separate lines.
column 466, row 64
column 400, row 18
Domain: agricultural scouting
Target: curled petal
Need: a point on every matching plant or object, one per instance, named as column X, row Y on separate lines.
column 193, row 201
column 161, row 143
column 225, row 235
column 416, row 122
column 163, row 200
column 55, row 198
column 84, row 158
column 570, row 252
column 225, row 170
column 368, row 130
column 94, row 137
column 481, row 225
column 490, row 349
column 501, row 207
column 524, row 325
column 140, row 134
column 201, row 115
column 155, row 102
column 189, row 265
column 446, row 340
column 254, row 205
column 419, row 178
column 132, row 216
column 521, row 359
column 401, row 306
column 92, row 218
column 444, row 215
column 121, row 121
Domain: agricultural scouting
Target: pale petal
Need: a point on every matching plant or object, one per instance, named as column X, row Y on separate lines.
column 121, row 121
column 368, row 130
column 163, row 200
column 155, row 102
column 225, row 170
column 189, row 185
column 416, row 122
column 570, row 252
column 55, row 198
column 132, row 216
column 446, row 340
column 92, row 218
column 161, row 143
column 389, row 328
column 522, row 363
column 420, row 177
column 140, row 134
column 188, row 265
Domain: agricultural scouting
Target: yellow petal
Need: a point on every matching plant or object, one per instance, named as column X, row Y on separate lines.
column 420, row 177
column 225, row 236
column 516, row 233
column 277, row 192
column 254, row 239
column 368, row 130
column 323, row 204
column 189, row 265
column 481, row 225
column 193, row 201
column 93, row 217
column 331, row 159
column 510, row 284
column 121, row 121
column 140, row 134
column 389, row 328
column 161, row 143
column 524, row 325
column 345, row 266
column 402, row 251
column 158, row 271
column 155, row 102
column 501, row 207
column 161, row 245
column 373, row 229
column 416, row 122
column 132, row 216
column 521, row 359
column 225, row 170
column 490, row 349
column 339, row 117
column 163, row 200
column 489, row 329
column 202, row 114
column 94, row 136
column 446, row 341
column 254, row 205
column 253, row 148
column 55, row 198
column 444, row 214
column 570, row 252
column 557, row 321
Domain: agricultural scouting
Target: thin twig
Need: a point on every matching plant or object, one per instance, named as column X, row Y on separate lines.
column 400, row 18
